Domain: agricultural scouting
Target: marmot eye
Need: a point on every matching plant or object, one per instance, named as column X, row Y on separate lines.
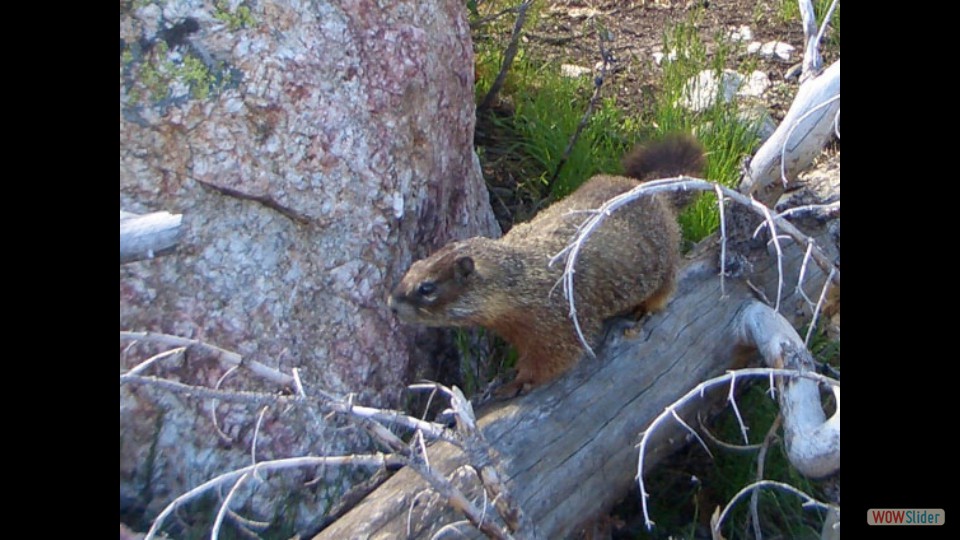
column 427, row 288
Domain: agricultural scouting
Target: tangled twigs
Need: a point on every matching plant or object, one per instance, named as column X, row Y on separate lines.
column 808, row 501
column 369, row 460
column 227, row 357
column 483, row 457
column 373, row 420
column 700, row 390
column 778, row 225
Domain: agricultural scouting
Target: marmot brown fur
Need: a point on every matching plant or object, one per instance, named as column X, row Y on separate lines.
column 628, row 266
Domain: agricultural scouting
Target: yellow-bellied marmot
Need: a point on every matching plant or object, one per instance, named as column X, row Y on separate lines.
column 627, row 266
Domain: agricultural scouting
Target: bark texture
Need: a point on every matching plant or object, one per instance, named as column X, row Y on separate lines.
column 314, row 149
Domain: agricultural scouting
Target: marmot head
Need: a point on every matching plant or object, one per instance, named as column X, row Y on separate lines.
column 435, row 291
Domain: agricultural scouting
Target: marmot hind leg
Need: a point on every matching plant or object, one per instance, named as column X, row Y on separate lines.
column 659, row 299
column 654, row 303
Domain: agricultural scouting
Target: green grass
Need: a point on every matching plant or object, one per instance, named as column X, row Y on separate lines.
column 726, row 138
column 548, row 118
column 547, row 110
column 478, row 368
column 824, row 349
column 780, row 513
column 548, row 107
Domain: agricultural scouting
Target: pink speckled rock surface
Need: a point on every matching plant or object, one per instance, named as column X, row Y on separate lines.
column 314, row 149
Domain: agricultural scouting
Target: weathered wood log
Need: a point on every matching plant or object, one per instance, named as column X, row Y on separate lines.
column 568, row 448
column 147, row 236
column 812, row 441
column 808, row 126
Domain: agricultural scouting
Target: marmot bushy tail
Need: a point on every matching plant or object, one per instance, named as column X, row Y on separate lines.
column 628, row 266
column 676, row 154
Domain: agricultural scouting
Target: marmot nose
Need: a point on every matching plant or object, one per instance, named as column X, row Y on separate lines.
column 392, row 303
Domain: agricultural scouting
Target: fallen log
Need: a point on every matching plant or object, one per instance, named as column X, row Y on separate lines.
column 567, row 450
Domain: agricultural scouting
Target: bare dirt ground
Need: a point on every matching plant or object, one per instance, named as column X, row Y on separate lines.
column 565, row 31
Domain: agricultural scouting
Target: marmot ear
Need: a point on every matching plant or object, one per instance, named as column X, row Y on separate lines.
column 464, row 267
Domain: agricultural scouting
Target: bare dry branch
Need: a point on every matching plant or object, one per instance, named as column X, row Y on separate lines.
column 213, row 407
column 776, row 245
column 803, row 274
column 368, row 417
column 413, row 503
column 368, row 460
column 330, row 403
column 247, row 523
column 597, row 87
column 739, row 448
column 508, row 56
column 816, row 312
column 723, row 242
column 456, row 499
column 225, row 506
column 142, row 366
column 826, row 20
column 256, row 433
column 808, row 500
column 203, row 392
column 812, row 62
column 149, row 235
column 432, row 430
column 829, row 209
column 800, row 137
column 298, row 383
column 699, row 391
column 761, row 462
column 227, row 357
column 484, row 458
column 692, row 432
column 812, row 440
column 454, row 527
column 736, row 410
column 804, row 116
